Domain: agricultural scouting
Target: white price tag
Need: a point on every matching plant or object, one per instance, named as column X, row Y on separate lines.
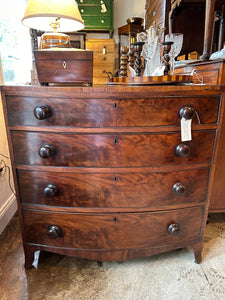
column 185, row 130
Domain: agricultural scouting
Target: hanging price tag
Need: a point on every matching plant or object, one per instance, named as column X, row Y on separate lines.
column 185, row 130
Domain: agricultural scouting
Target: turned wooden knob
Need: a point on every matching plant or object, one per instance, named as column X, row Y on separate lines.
column 187, row 112
column 46, row 151
column 42, row 112
column 183, row 150
column 54, row 231
column 51, row 190
column 174, row 229
column 179, row 188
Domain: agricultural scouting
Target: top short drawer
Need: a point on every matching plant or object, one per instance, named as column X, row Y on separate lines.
column 101, row 45
column 109, row 112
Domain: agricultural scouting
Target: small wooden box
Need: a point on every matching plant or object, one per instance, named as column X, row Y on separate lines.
column 64, row 66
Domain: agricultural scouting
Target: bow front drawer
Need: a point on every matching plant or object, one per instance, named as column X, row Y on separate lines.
column 90, row 112
column 113, row 231
column 110, row 150
column 115, row 190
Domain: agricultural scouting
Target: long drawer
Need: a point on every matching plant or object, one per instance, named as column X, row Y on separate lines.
column 98, row 22
column 112, row 231
column 93, row 10
column 136, row 190
column 111, row 150
column 108, row 112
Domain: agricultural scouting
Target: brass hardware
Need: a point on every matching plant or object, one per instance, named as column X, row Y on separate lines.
column 64, row 64
column 115, row 105
column 104, row 50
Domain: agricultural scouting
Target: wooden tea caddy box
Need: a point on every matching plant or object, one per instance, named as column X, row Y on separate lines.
column 64, row 65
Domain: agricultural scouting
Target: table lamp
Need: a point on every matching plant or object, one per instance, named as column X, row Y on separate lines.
column 53, row 15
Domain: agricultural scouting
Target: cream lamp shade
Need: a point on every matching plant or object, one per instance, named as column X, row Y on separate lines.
column 39, row 14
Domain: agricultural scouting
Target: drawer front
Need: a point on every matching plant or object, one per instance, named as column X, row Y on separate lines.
column 209, row 76
column 101, row 46
column 108, row 3
column 113, row 190
column 100, row 80
column 98, row 22
column 109, row 112
column 110, row 150
column 104, row 60
column 100, row 71
column 111, row 231
column 210, row 73
column 87, row 2
column 93, row 10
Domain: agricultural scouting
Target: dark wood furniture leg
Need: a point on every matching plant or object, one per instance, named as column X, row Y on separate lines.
column 198, row 252
column 209, row 20
column 29, row 256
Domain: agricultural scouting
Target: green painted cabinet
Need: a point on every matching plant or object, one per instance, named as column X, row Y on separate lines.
column 97, row 15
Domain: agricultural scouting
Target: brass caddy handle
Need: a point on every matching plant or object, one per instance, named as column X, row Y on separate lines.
column 174, row 229
column 42, row 112
column 179, row 189
column 183, row 150
column 187, row 112
column 54, row 232
column 46, row 151
column 51, row 190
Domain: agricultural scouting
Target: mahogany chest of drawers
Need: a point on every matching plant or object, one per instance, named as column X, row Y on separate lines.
column 101, row 172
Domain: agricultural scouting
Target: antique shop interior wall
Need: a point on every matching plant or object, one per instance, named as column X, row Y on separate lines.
column 8, row 204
